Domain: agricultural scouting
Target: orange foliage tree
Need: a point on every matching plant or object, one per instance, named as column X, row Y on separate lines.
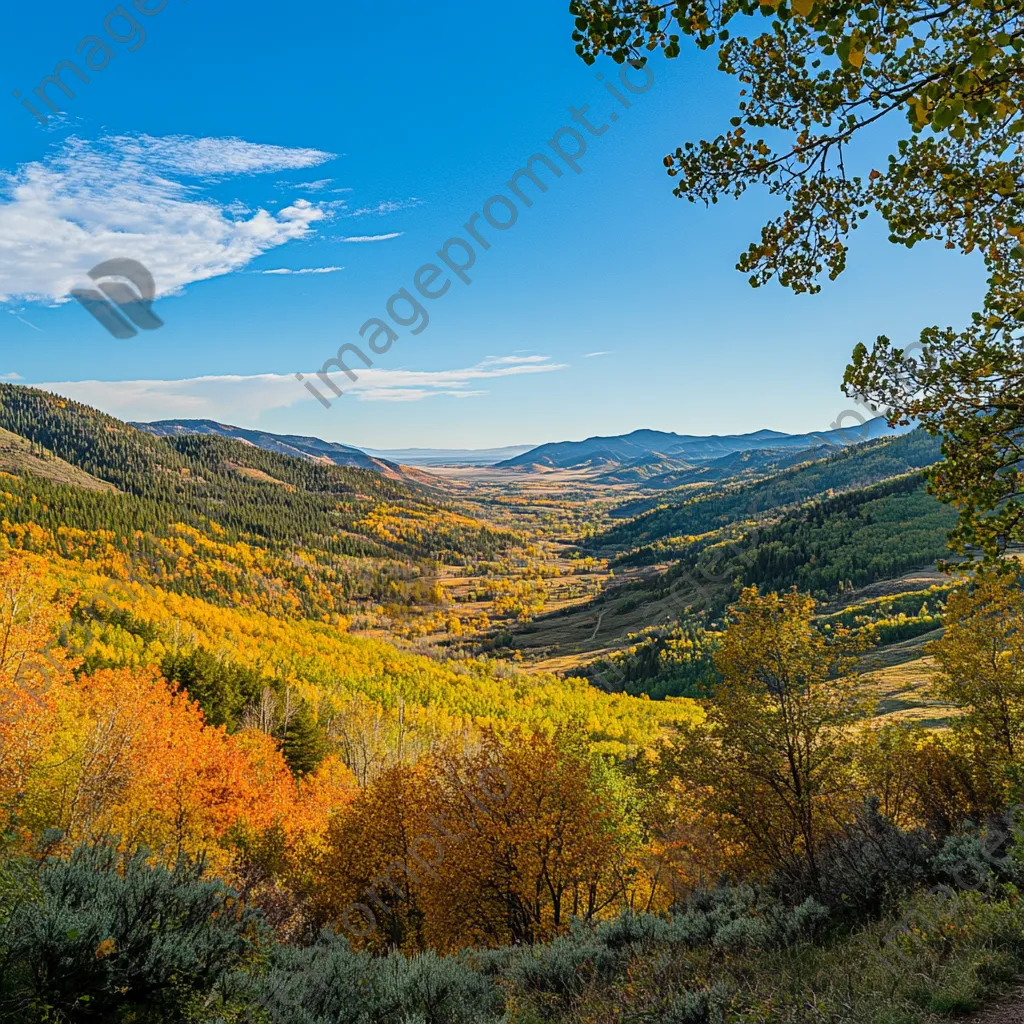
column 33, row 669
column 506, row 844
column 128, row 756
column 123, row 753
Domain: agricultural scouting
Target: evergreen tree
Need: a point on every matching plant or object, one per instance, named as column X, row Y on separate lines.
column 305, row 745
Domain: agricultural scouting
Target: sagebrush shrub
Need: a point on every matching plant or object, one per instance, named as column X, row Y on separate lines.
column 107, row 934
column 329, row 983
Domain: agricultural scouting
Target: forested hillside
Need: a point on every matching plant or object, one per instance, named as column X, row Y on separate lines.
column 855, row 538
column 285, row 444
column 364, row 689
column 251, row 492
column 685, row 514
column 662, row 475
column 327, row 535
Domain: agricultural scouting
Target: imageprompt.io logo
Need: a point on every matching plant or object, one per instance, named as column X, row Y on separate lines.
column 115, row 297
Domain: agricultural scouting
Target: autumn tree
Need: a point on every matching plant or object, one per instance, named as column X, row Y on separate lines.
column 981, row 657
column 773, row 766
column 816, row 77
column 505, row 844
column 370, row 877
column 889, row 759
column 532, row 838
column 274, row 865
column 33, row 669
column 126, row 755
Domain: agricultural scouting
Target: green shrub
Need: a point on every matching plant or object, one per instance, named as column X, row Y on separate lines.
column 556, row 975
column 704, row 1006
column 110, row 937
column 981, row 858
column 328, row 983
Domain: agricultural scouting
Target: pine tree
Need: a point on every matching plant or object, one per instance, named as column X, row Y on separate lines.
column 305, row 745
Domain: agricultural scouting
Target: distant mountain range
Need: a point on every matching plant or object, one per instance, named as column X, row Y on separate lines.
column 662, row 474
column 390, row 463
column 658, row 458
column 286, row 444
column 658, row 451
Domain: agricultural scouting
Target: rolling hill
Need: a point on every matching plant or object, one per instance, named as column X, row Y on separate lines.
column 639, row 446
column 296, row 445
column 663, row 474
column 199, row 511
column 686, row 514
column 396, row 464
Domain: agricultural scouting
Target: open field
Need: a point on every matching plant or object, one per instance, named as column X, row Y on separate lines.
column 902, row 694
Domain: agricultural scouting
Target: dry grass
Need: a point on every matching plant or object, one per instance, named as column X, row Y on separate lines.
column 902, row 692
column 258, row 474
column 17, row 457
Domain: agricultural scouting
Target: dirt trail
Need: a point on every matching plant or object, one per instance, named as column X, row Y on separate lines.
column 1009, row 1010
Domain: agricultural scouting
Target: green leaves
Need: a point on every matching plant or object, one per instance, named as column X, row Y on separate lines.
column 851, row 50
column 818, row 75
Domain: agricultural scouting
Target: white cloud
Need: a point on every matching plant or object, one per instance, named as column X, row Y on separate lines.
column 375, row 385
column 241, row 399
column 11, row 376
column 313, row 186
column 206, row 157
column 373, row 238
column 303, row 270
column 591, row 355
column 511, row 360
column 388, row 206
column 122, row 196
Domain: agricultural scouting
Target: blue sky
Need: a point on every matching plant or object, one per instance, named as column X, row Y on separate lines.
column 333, row 139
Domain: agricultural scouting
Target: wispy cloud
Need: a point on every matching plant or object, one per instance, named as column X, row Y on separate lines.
column 388, row 206
column 238, row 398
column 303, row 270
column 16, row 313
column 203, row 157
column 387, row 385
column 373, row 238
column 312, row 186
column 594, row 355
column 391, row 394
column 513, row 360
column 10, row 376
column 142, row 198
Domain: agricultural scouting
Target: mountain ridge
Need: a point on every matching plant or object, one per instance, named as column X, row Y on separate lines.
column 626, row 449
column 299, row 446
column 640, row 453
